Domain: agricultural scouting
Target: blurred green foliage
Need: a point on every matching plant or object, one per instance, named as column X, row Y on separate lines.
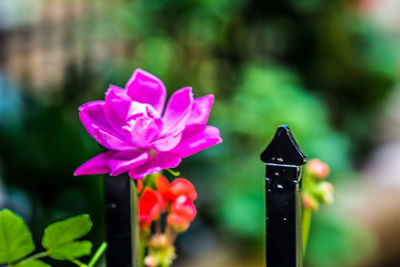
column 338, row 241
column 319, row 66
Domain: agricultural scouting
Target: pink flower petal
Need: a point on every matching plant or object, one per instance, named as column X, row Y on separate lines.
column 113, row 162
column 142, row 131
column 158, row 161
column 177, row 110
column 116, row 106
column 137, row 110
column 96, row 111
column 167, row 143
column 93, row 118
column 195, row 139
column 120, row 162
column 95, row 165
column 110, row 141
column 200, row 110
column 146, row 88
column 138, row 123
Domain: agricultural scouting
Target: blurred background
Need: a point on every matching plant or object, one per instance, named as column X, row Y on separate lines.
column 328, row 69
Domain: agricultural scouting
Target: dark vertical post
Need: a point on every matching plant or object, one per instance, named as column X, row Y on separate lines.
column 283, row 159
column 117, row 197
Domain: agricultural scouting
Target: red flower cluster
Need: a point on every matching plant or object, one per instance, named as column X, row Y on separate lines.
column 175, row 198
column 150, row 206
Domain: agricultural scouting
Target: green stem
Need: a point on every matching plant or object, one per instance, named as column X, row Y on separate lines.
column 77, row 262
column 98, row 254
column 135, row 226
column 307, row 215
column 142, row 252
column 36, row 256
column 174, row 173
column 145, row 181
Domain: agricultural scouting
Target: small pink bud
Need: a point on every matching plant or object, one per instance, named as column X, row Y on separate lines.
column 150, row 262
column 318, row 169
column 309, row 202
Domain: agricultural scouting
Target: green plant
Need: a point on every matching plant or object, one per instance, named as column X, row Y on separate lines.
column 60, row 241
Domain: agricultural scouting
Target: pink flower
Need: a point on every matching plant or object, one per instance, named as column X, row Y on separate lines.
column 142, row 137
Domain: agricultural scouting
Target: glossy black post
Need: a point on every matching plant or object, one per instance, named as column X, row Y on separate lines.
column 117, row 197
column 283, row 159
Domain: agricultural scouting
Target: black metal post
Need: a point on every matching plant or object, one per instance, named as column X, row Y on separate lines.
column 283, row 159
column 117, row 197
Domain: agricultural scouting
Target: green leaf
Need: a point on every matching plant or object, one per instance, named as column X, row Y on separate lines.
column 64, row 232
column 71, row 250
column 33, row 263
column 15, row 237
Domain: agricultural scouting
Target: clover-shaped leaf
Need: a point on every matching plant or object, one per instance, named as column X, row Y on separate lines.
column 71, row 250
column 60, row 238
column 15, row 237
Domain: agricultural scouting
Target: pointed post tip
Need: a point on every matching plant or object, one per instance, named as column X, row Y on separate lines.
column 283, row 126
column 283, row 149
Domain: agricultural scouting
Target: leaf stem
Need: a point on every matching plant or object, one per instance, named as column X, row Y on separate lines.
column 146, row 181
column 35, row 256
column 98, row 254
column 174, row 173
column 77, row 262
column 307, row 215
column 171, row 234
